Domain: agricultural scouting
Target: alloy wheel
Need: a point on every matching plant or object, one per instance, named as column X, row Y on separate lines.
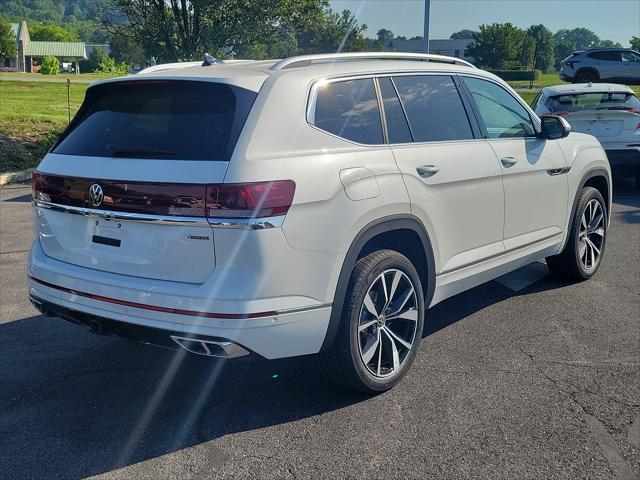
column 387, row 323
column 591, row 235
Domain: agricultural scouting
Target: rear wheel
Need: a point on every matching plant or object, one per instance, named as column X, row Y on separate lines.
column 381, row 324
column 586, row 76
column 583, row 252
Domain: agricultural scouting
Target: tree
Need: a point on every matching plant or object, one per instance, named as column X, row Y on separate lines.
column 463, row 34
column 608, row 44
column 123, row 49
column 582, row 38
column 335, row 32
column 7, row 41
column 385, row 39
column 546, row 47
column 96, row 57
column 635, row 43
column 564, row 48
column 501, row 46
column 184, row 29
column 51, row 33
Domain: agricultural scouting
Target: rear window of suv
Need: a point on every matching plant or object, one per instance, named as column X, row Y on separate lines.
column 593, row 101
column 158, row 119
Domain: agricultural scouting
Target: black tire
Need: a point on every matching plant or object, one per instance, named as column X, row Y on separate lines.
column 638, row 182
column 343, row 363
column 570, row 263
column 586, row 76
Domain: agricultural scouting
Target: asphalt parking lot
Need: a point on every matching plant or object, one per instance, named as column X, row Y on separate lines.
column 514, row 380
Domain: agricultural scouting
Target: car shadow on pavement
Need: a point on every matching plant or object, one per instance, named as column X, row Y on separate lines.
column 75, row 405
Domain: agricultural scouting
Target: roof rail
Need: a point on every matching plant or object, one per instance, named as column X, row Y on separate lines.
column 305, row 60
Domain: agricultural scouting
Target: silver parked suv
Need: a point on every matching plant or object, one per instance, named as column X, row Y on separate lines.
column 611, row 64
column 312, row 205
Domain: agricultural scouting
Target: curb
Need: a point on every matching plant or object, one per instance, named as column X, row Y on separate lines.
column 14, row 177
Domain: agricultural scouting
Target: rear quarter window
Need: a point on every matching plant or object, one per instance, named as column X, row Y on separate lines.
column 158, row 119
column 348, row 109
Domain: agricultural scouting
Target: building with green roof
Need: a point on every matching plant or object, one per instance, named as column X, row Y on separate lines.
column 30, row 53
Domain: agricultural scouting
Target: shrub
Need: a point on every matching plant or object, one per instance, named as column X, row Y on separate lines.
column 50, row 66
column 109, row 65
column 517, row 75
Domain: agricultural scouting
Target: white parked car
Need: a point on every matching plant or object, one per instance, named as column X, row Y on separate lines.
column 609, row 112
column 313, row 205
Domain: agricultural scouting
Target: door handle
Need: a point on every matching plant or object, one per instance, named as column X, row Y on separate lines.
column 508, row 161
column 426, row 171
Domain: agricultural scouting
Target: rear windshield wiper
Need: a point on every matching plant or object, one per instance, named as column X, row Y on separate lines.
column 130, row 152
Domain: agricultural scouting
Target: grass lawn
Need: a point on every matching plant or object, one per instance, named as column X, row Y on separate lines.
column 32, row 114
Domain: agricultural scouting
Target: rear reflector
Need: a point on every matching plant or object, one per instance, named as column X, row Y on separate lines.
column 232, row 200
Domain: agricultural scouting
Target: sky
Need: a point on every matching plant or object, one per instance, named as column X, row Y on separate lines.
column 616, row 20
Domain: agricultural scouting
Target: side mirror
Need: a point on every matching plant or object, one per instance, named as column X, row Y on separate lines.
column 554, row 127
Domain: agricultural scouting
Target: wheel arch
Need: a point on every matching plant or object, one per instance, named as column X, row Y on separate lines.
column 587, row 69
column 599, row 179
column 382, row 233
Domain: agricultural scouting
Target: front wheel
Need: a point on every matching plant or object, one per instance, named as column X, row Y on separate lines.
column 583, row 252
column 381, row 324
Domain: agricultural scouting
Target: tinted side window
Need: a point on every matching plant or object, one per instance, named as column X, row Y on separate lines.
column 349, row 109
column 397, row 126
column 503, row 116
column 608, row 56
column 630, row 57
column 434, row 108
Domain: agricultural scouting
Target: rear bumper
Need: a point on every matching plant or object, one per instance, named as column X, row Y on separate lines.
column 271, row 328
column 566, row 77
column 208, row 346
column 624, row 162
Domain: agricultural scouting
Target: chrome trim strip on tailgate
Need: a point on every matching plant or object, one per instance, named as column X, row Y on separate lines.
column 121, row 216
column 261, row 223
column 217, row 222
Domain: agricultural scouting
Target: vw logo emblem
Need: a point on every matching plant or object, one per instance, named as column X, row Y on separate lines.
column 96, row 195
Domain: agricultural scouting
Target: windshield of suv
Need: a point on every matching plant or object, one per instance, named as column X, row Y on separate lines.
column 593, row 101
column 158, row 119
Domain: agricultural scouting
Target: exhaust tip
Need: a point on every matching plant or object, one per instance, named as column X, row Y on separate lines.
column 210, row 348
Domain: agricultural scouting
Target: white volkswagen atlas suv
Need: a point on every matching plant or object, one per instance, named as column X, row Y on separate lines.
column 312, row 205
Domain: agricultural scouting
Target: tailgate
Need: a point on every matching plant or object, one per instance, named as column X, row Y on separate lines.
column 151, row 230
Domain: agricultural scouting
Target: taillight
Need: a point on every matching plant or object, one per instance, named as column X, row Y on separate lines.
column 229, row 200
column 570, row 63
column 250, row 200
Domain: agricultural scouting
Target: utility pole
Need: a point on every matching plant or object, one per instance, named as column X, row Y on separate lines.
column 427, row 8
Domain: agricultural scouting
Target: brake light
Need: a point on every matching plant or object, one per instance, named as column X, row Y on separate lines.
column 250, row 200
column 570, row 63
